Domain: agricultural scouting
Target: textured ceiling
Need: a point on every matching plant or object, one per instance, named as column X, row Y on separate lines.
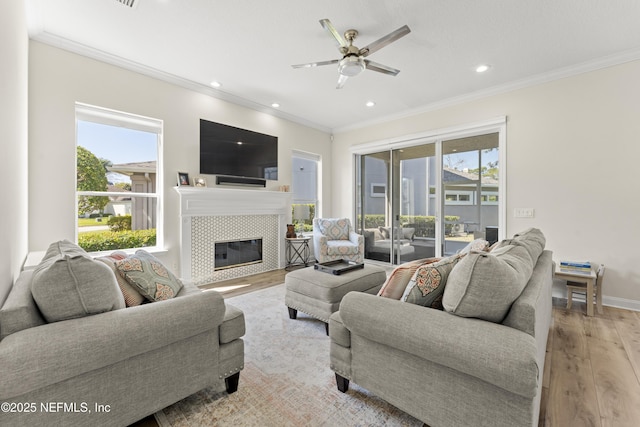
column 249, row 46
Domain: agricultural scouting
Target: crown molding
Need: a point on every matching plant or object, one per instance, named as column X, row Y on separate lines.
column 99, row 55
column 585, row 67
column 561, row 73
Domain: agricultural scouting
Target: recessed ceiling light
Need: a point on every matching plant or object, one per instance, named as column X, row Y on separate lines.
column 275, row 105
column 216, row 84
column 482, row 68
column 370, row 104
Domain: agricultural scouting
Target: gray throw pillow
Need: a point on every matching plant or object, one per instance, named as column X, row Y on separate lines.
column 484, row 285
column 408, row 232
column 68, row 284
column 532, row 240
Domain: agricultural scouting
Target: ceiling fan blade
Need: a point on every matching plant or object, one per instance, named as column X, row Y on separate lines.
column 341, row 81
column 382, row 42
column 374, row 66
column 316, row 64
column 327, row 25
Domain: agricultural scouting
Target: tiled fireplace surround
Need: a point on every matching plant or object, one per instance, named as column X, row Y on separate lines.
column 209, row 215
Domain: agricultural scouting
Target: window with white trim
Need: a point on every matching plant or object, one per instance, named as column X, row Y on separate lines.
column 118, row 180
column 459, row 197
column 378, row 190
column 489, row 198
column 305, row 185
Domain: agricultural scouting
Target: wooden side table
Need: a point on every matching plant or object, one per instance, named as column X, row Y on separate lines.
column 297, row 252
column 588, row 279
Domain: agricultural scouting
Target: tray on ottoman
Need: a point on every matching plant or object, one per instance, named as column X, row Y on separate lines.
column 338, row 267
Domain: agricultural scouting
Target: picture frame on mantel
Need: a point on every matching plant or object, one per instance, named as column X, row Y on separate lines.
column 199, row 181
column 183, row 179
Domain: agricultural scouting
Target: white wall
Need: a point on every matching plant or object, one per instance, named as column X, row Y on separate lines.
column 14, row 49
column 59, row 78
column 573, row 154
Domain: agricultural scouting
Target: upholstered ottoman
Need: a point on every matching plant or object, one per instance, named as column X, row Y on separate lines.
column 318, row 294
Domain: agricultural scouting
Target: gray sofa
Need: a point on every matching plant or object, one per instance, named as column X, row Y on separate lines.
column 118, row 366
column 451, row 369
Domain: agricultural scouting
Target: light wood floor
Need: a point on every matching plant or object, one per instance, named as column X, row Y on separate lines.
column 234, row 287
column 592, row 367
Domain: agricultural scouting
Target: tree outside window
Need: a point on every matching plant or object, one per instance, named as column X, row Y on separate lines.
column 305, row 172
column 117, row 179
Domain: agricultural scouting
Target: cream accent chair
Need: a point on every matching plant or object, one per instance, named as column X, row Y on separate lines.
column 334, row 239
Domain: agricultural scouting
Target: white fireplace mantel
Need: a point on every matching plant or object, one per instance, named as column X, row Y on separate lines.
column 195, row 201
column 225, row 202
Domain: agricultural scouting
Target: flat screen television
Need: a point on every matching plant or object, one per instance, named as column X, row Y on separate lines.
column 231, row 151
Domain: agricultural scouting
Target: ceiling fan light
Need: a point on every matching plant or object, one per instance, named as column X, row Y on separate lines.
column 351, row 66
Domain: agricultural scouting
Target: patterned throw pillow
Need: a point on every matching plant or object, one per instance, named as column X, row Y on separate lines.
column 131, row 295
column 426, row 287
column 146, row 273
column 399, row 278
column 335, row 228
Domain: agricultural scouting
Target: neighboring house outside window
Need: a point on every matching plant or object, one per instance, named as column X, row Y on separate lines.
column 117, row 180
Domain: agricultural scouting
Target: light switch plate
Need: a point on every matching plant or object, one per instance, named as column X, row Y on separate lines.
column 523, row 212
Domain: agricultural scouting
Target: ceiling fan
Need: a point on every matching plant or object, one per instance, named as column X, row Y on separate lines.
column 354, row 60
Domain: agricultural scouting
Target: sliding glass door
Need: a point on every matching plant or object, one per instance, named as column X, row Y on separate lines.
column 373, row 203
column 413, row 203
column 470, row 181
column 428, row 199
column 396, row 204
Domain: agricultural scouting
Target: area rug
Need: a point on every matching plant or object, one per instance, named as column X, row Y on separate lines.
column 286, row 380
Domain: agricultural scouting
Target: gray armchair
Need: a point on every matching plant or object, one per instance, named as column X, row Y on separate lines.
column 334, row 239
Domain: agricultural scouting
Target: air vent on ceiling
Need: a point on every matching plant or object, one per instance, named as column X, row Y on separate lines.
column 131, row 3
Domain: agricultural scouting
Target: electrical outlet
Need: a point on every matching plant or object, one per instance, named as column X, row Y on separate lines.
column 523, row 213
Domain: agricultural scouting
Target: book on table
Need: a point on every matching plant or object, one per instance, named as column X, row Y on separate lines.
column 575, row 264
column 577, row 267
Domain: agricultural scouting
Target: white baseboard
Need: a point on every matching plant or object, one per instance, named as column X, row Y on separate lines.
column 627, row 304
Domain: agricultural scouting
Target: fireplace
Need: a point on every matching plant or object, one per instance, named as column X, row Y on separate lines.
column 217, row 215
column 237, row 253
